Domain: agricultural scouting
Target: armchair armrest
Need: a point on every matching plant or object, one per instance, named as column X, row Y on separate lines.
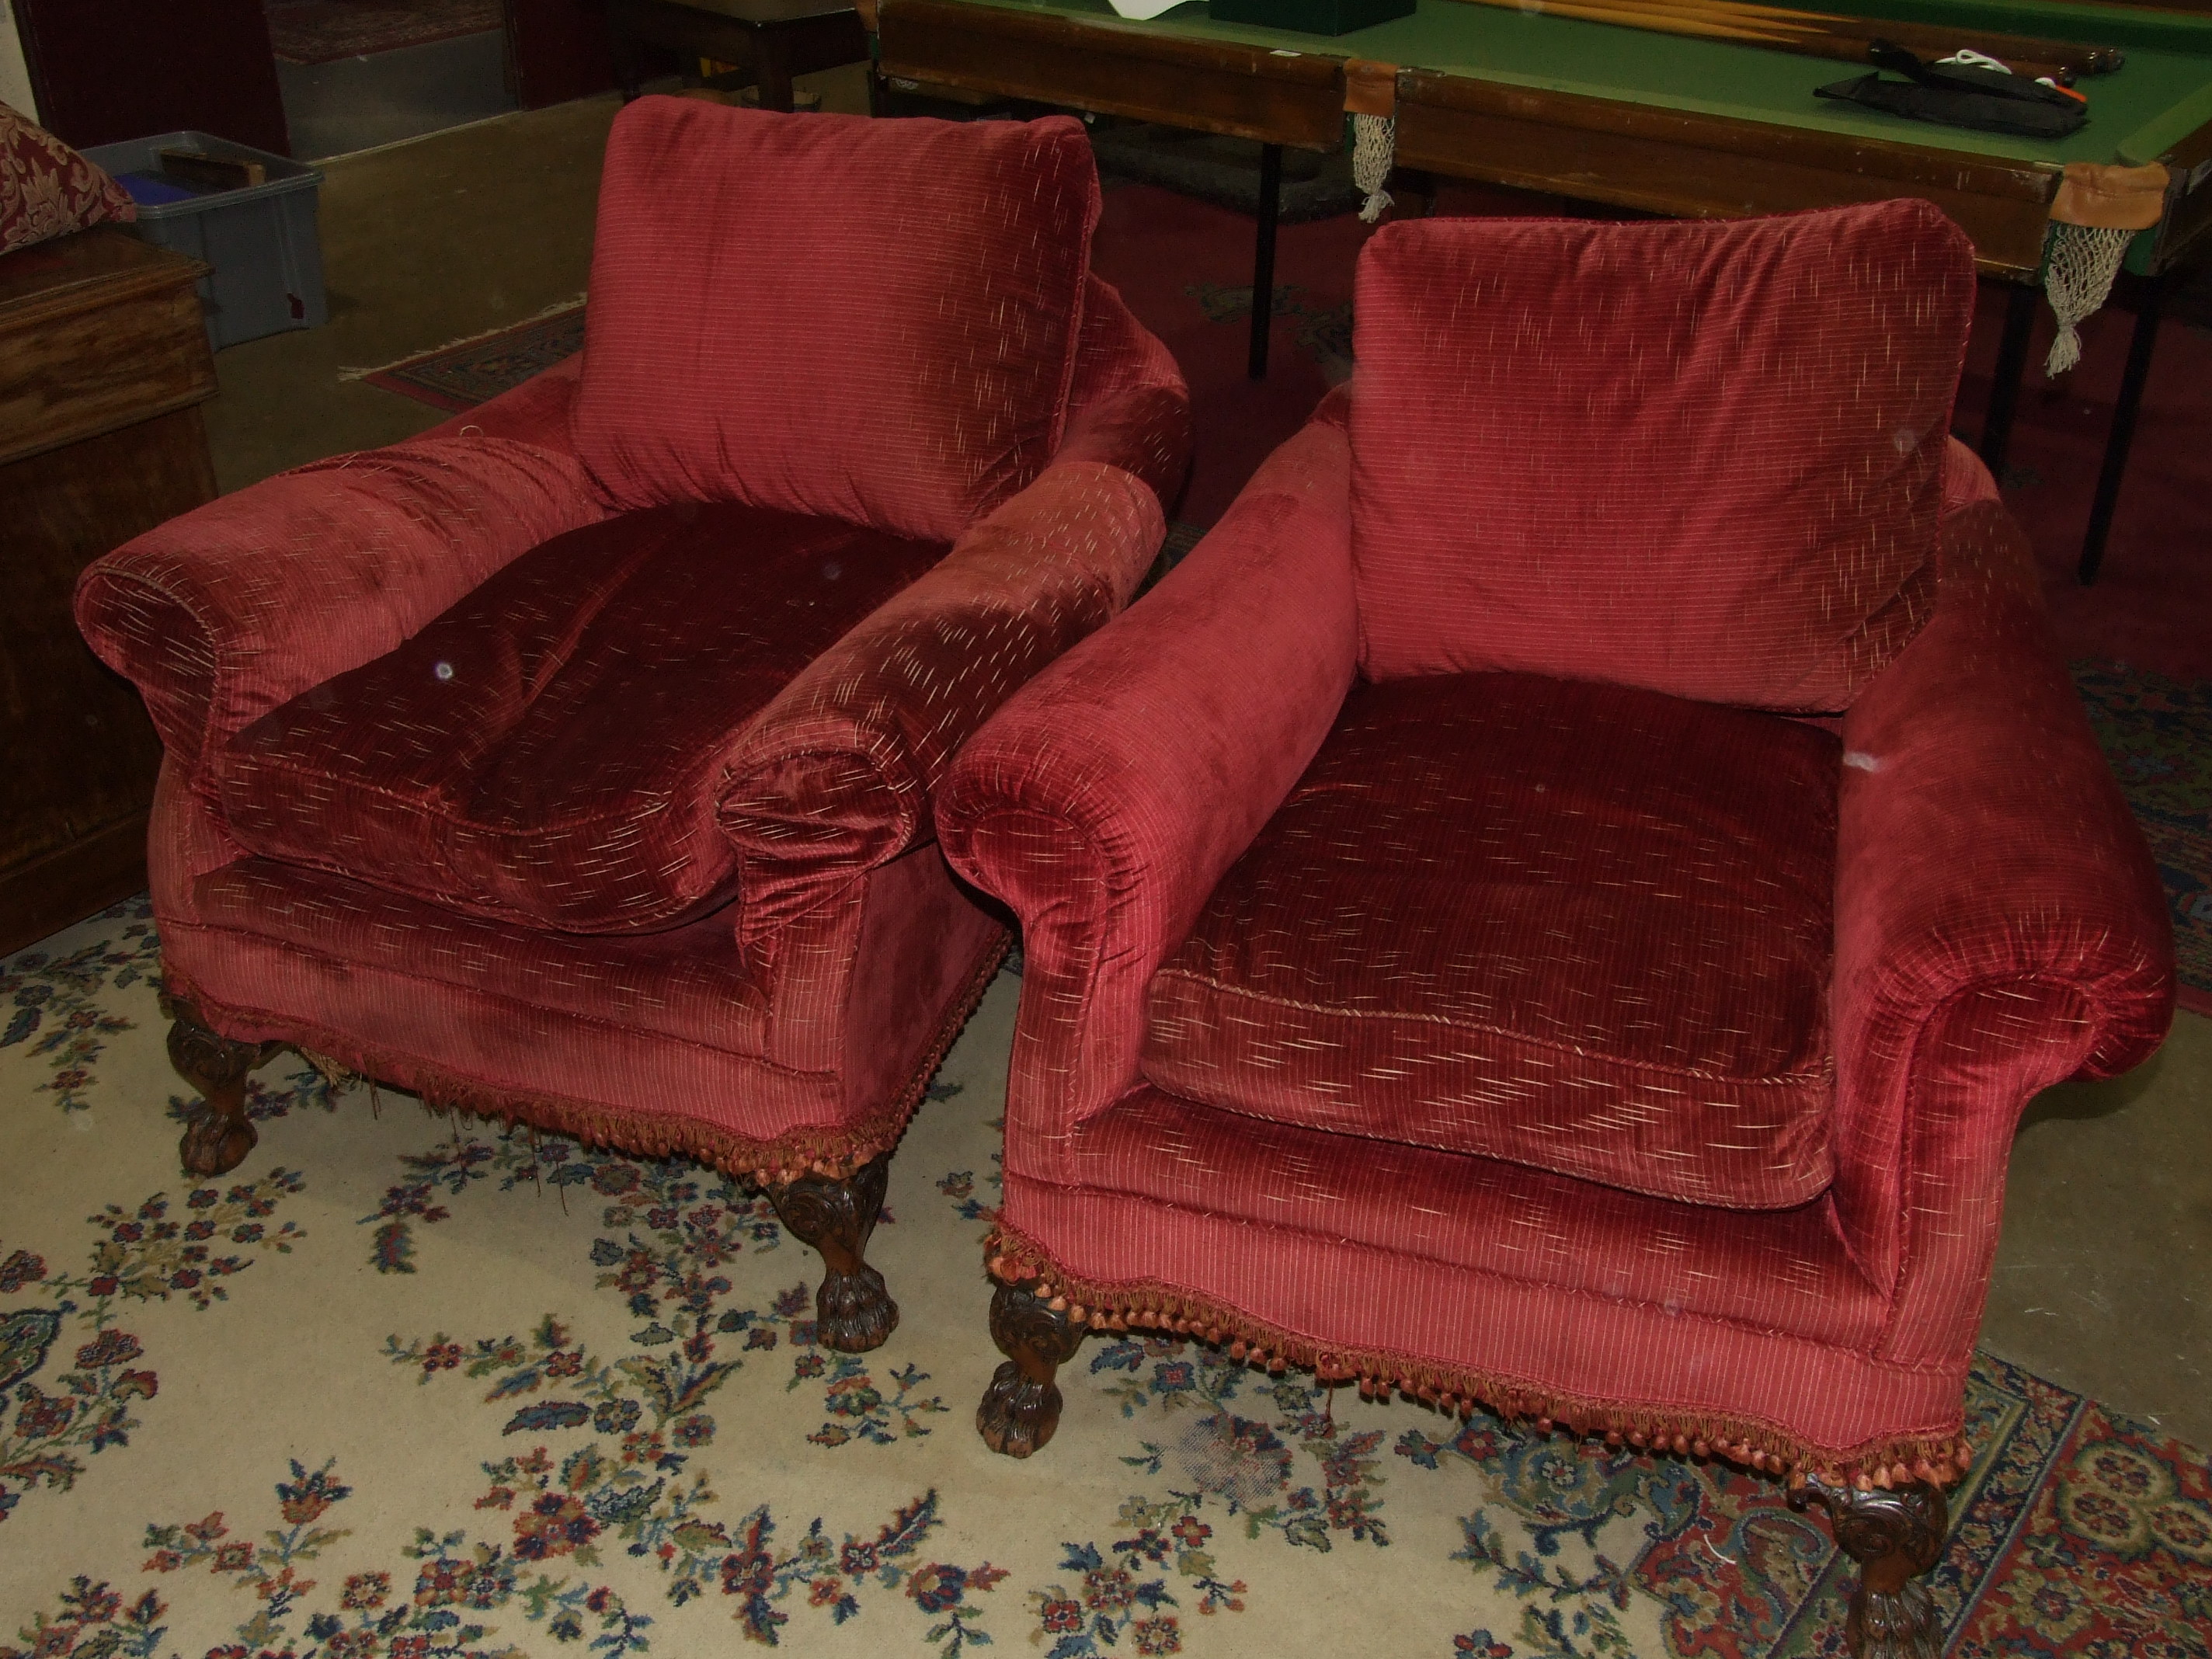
column 1128, row 405
column 1106, row 801
column 238, row 607
column 836, row 775
column 535, row 412
column 1999, row 928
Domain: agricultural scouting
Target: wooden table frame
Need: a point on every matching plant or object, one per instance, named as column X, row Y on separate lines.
column 775, row 39
column 1682, row 164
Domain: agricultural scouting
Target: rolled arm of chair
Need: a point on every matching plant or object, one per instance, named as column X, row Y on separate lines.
column 1128, row 406
column 837, row 774
column 1999, row 927
column 1105, row 803
column 238, row 607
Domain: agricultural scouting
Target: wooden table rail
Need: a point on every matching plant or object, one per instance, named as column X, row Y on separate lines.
column 1686, row 128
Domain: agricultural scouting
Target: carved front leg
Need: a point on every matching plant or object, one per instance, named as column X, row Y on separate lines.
column 1895, row 1536
column 1021, row 1408
column 853, row 1311
column 220, row 1135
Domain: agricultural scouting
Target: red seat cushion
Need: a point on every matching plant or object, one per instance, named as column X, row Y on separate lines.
column 1702, row 459
column 1584, row 929
column 869, row 320
column 548, row 751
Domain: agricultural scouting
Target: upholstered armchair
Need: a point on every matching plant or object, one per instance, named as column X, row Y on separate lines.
column 574, row 762
column 1558, row 903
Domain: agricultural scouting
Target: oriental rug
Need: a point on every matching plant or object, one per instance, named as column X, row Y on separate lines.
column 405, row 1386
column 324, row 31
column 465, row 372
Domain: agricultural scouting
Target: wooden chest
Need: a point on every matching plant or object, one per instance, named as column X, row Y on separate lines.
column 104, row 363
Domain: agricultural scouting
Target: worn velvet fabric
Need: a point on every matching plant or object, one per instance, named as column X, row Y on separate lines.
column 1129, row 407
column 1568, row 925
column 654, row 863
column 869, row 320
column 234, row 610
column 1703, row 458
column 837, row 774
column 671, row 1042
column 1997, row 926
column 1106, row 802
column 550, row 749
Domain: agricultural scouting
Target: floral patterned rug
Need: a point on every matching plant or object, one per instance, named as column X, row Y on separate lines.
column 404, row 1386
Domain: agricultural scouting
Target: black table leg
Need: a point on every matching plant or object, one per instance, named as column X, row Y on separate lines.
column 772, row 69
column 629, row 62
column 2123, row 435
column 1263, row 257
column 2004, row 388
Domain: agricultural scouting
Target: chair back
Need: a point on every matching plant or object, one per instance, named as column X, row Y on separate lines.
column 1704, row 458
column 868, row 320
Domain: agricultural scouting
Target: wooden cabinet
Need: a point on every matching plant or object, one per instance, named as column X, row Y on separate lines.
column 104, row 363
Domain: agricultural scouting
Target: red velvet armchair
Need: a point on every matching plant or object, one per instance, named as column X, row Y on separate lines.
column 1558, row 901
column 574, row 762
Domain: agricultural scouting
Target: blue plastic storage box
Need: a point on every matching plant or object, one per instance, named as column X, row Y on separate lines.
column 261, row 241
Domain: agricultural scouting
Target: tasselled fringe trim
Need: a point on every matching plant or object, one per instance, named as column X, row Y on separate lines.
column 825, row 1154
column 1016, row 1260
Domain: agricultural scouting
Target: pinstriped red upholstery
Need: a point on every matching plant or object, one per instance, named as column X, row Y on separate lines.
column 237, row 608
column 1195, row 1138
column 551, row 749
column 655, row 863
column 1573, row 925
column 890, row 334
column 1700, row 458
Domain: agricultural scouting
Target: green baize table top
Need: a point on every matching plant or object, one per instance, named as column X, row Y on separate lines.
column 2162, row 94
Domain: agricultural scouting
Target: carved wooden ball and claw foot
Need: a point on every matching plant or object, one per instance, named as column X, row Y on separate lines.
column 1021, row 1408
column 853, row 1310
column 1895, row 1536
column 221, row 1134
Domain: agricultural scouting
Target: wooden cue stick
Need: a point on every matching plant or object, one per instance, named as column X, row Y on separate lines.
column 1847, row 39
column 1823, row 35
column 1926, row 39
column 1594, row 11
column 1774, row 37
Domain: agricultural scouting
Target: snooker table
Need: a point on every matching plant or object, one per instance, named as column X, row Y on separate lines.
column 1661, row 123
column 772, row 39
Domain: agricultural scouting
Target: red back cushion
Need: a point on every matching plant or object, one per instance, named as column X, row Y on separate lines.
column 866, row 320
column 1702, row 459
